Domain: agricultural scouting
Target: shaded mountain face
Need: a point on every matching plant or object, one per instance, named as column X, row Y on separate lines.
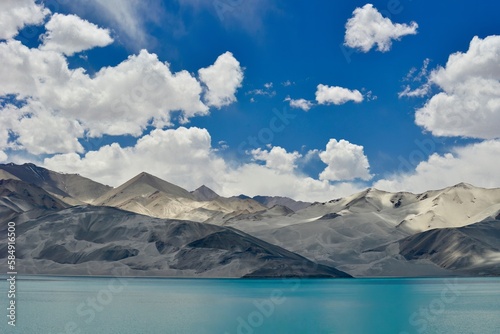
column 21, row 197
column 87, row 240
column 204, row 193
column 17, row 197
column 71, row 188
column 471, row 249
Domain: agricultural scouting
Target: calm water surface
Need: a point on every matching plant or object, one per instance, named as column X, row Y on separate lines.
column 110, row 305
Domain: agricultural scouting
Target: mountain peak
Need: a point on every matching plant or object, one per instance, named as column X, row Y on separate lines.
column 463, row 185
column 144, row 177
column 204, row 193
column 145, row 183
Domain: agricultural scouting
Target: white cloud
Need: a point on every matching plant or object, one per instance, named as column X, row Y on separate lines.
column 345, row 162
column 367, row 28
column 469, row 103
column 70, row 34
column 262, row 91
column 337, row 95
column 370, row 96
column 424, row 70
column 476, row 164
column 277, row 158
column 222, row 79
column 184, row 156
column 312, row 155
column 6, row 121
column 3, row 156
column 40, row 131
column 116, row 100
column 417, row 92
column 421, row 76
column 300, row 103
column 15, row 14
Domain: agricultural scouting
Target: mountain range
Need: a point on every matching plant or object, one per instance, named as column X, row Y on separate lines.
column 67, row 224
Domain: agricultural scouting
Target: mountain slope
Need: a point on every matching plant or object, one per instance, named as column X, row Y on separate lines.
column 204, row 193
column 21, row 197
column 270, row 201
column 141, row 185
column 71, row 188
column 473, row 248
column 352, row 233
column 152, row 196
column 451, row 231
column 86, row 240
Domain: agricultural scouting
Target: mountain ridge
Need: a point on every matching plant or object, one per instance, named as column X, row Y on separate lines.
column 71, row 188
column 369, row 233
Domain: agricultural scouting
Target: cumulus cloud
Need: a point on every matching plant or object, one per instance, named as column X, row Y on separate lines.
column 345, row 161
column 222, row 80
column 476, row 164
column 116, row 100
column 300, row 103
column 337, row 95
column 15, row 14
column 40, row 131
column 367, row 28
column 69, row 34
column 185, row 157
column 124, row 99
column 469, row 102
column 277, row 158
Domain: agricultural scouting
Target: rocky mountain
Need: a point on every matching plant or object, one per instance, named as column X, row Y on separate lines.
column 91, row 240
column 18, row 197
column 70, row 188
column 270, row 201
column 149, row 195
column 451, row 231
column 352, row 233
column 204, row 193
column 472, row 249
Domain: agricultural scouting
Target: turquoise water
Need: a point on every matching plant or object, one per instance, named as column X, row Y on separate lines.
column 110, row 305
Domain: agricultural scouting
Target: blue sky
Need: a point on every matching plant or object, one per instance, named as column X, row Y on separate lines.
column 238, row 70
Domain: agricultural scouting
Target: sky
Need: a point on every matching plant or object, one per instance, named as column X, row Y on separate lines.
column 310, row 100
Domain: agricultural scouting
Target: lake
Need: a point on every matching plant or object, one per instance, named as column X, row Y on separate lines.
column 152, row 305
